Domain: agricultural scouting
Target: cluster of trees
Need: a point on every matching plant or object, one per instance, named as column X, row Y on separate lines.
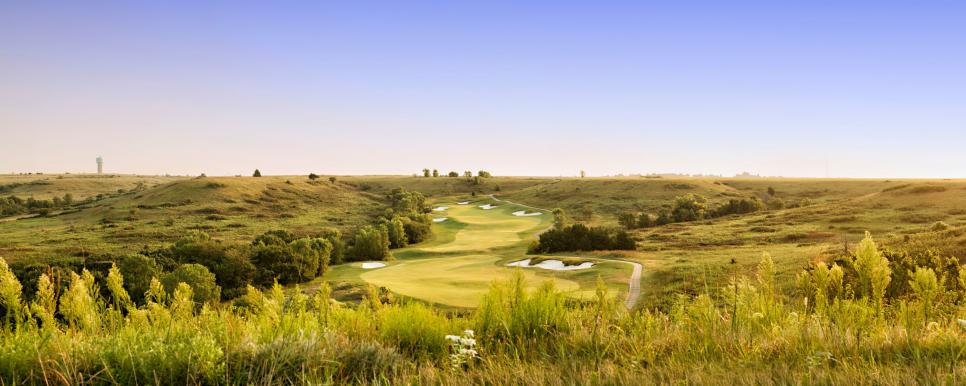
column 467, row 173
column 579, row 237
column 406, row 221
column 13, row 205
column 565, row 237
column 274, row 255
column 215, row 270
column 689, row 207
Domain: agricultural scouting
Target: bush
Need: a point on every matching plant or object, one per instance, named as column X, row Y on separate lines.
column 138, row 270
column 201, row 281
column 232, row 269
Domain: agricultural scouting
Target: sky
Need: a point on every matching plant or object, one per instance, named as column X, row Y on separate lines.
column 789, row 88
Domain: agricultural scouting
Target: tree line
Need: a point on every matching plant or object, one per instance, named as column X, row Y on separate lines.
column 13, row 205
column 468, row 174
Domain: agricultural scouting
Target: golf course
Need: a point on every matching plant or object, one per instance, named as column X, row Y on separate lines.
column 472, row 248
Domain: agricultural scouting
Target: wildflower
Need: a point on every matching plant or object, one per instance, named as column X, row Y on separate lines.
column 962, row 323
column 453, row 338
column 468, row 341
column 468, row 333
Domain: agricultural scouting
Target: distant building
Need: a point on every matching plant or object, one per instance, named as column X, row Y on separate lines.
column 100, row 165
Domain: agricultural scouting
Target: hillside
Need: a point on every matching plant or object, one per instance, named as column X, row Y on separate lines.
column 228, row 208
column 81, row 186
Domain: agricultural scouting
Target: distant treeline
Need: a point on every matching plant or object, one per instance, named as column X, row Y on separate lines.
column 13, row 205
column 693, row 207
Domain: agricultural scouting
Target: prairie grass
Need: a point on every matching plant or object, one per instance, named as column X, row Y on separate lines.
column 525, row 337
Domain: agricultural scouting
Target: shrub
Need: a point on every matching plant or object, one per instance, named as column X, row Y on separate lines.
column 231, row 266
column 138, row 270
column 201, row 281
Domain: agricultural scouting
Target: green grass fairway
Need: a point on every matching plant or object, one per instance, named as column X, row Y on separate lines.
column 468, row 252
column 454, row 281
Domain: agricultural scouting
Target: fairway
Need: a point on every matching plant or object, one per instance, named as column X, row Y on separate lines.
column 468, row 252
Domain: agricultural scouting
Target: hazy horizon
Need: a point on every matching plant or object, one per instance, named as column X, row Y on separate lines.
column 863, row 90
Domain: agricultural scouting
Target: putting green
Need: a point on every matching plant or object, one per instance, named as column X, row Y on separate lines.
column 469, row 251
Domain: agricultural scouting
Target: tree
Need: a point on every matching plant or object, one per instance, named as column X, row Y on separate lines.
column 313, row 176
column 231, row 267
column 201, row 280
column 559, row 218
column 627, row 220
column 453, row 174
column 435, row 173
column 332, row 179
column 468, row 174
column 138, row 270
column 371, row 243
column 689, row 207
column 397, row 232
column 583, row 174
column 334, row 237
column 483, row 174
column 257, row 173
column 425, row 172
column 645, row 221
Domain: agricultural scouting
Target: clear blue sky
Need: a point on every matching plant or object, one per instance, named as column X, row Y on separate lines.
column 872, row 88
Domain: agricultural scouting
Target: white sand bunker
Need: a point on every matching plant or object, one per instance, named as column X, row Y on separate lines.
column 487, row 207
column 440, row 208
column 441, row 219
column 523, row 213
column 553, row 265
column 463, row 203
column 372, row 264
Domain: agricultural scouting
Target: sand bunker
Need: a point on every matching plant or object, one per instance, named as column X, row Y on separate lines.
column 487, row 207
column 553, row 265
column 463, row 203
column 441, row 219
column 372, row 264
column 440, row 208
column 523, row 213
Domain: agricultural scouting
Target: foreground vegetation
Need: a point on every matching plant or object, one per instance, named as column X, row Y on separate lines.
column 843, row 327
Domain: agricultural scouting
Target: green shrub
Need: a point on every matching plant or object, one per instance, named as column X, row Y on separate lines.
column 201, row 281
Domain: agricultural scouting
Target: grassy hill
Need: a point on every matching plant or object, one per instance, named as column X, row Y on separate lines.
column 81, row 186
column 228, row 208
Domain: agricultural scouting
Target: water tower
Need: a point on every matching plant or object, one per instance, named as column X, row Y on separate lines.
column 100, row 165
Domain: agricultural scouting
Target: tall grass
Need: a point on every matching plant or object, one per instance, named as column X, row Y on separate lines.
column 739, row 334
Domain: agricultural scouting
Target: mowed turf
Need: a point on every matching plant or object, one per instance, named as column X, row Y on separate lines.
column 469, row 251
